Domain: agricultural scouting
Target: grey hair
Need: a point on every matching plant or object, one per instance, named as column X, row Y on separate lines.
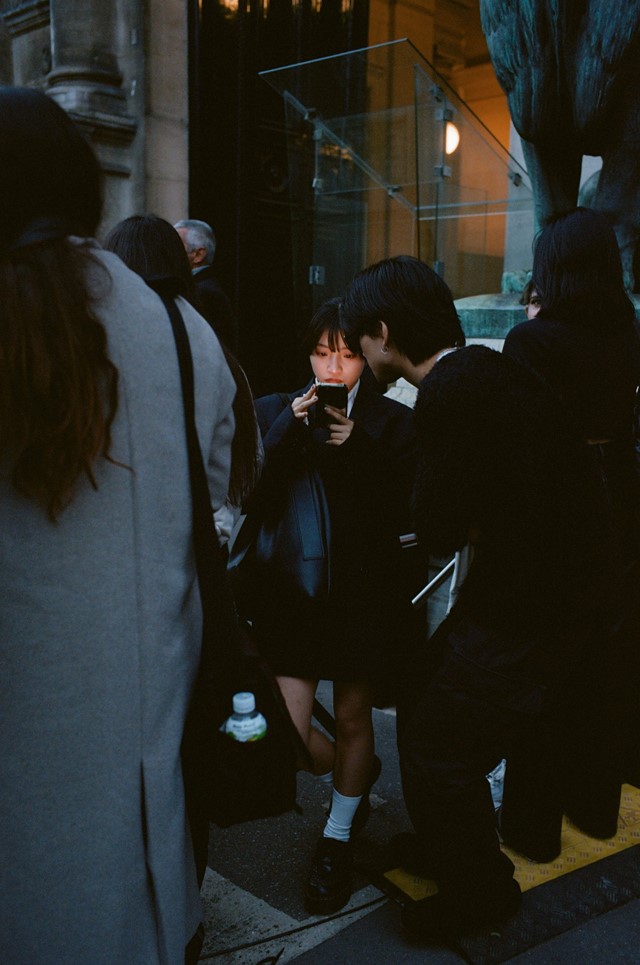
column 199, row 235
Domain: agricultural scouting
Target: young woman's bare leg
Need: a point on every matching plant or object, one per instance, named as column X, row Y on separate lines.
column 330, row 879
column 354, row 737
column 298, row 695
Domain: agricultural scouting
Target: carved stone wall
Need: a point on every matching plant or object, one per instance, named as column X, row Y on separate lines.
column 120, row 70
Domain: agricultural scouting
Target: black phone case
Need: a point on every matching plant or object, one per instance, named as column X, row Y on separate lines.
column 332, row 394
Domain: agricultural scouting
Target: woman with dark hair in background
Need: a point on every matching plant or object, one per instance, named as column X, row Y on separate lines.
column 101, row 619
column 147, row 245
column 584, row 344
column 358, row 632
column 531, row 300
column 152, row 248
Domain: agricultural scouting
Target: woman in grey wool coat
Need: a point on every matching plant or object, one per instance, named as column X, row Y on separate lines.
column 100, row 617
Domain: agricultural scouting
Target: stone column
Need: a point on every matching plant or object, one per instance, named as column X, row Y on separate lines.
column 84, row 76
column 86, row 80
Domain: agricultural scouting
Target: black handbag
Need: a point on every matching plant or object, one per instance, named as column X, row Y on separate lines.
column 282, row 548
column 226, row 781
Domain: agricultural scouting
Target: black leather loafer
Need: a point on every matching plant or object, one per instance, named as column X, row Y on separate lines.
column 330, row 880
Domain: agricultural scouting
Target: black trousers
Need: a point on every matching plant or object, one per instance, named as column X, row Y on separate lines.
column 570, row 763
column 575, row 760
column 470, row 697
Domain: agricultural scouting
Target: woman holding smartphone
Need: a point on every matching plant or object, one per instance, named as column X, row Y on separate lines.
column 357, row 633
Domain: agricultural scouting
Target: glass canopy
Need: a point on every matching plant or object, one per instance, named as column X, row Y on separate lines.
column 386, row 159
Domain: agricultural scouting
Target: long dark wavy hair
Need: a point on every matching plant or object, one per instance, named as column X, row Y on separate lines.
column 58, row 387
column 152, row 248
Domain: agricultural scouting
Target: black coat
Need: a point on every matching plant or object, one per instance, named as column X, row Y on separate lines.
column 367, row 623
column 500, row 461
column 594, row 372
column 214, row 304
column 520, row 667
column 527, row 649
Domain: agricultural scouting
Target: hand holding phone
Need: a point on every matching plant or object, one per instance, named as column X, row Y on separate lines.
column 333, row 394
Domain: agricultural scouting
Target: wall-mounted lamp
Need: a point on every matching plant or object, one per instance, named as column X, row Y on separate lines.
column 451, row 137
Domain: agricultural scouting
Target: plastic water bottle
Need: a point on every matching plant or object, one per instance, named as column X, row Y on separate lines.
column 245, row 723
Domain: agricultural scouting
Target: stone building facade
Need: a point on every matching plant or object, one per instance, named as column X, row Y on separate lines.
column 120, row 69
column 169, row 95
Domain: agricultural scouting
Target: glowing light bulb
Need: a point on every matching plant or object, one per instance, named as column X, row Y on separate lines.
column 451, row 138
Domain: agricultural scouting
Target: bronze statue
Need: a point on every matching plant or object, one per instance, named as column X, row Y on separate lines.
column 571, row 73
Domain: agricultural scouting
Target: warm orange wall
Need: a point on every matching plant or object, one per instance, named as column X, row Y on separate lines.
column 395, row 19
column 479, row 87
column 443, row 31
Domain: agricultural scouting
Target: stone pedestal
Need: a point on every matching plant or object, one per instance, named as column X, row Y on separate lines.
column 489, row 317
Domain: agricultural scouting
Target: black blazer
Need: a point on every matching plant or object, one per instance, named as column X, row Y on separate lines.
column 368, row 619
column 371, row 475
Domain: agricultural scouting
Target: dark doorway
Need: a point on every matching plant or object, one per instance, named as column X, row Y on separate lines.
column 243, row 181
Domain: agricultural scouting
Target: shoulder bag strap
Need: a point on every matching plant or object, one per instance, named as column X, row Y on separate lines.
column 218, row 606
column 215, row 589
column 209, row 558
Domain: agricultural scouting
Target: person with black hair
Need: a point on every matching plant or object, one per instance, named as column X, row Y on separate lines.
column 498, row 467
column 358, row 631
column 531, row 300
column 584, row 344
column 152, row 248
column 101, row 625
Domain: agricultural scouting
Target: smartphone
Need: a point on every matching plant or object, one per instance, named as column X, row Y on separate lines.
column 333, row 394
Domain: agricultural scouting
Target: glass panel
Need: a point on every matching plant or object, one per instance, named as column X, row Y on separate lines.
column 395, row 163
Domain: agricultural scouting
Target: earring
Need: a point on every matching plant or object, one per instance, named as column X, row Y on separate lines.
column 384, row 350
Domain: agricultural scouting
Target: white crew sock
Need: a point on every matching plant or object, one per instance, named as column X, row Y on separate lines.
column 341, row 815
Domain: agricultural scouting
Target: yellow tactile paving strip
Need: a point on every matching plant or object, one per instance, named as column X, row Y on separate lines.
column 578, row 850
